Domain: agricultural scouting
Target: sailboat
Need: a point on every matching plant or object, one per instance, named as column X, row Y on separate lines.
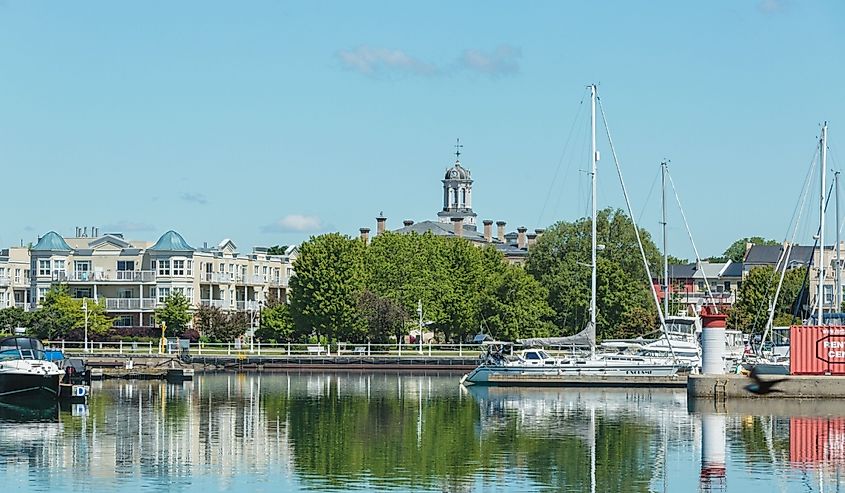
column 537, row 367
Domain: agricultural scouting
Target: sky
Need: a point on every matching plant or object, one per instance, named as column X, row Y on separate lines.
column 269, row 121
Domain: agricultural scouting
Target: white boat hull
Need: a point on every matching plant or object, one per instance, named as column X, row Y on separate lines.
column 514, row 374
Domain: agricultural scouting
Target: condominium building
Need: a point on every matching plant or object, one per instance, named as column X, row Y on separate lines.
column 134, row 277
column 14, row 277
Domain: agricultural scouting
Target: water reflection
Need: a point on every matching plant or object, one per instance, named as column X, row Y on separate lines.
column 337, row 432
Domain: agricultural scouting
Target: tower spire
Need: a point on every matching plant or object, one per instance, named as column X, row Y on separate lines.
column 458, row 146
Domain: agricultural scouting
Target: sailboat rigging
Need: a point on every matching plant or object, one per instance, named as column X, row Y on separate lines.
column 497, row 367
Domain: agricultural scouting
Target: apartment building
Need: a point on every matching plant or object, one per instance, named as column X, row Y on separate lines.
column 14, row 277
column 134, row 277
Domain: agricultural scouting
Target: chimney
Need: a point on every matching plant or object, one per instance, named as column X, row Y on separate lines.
column 500, row 225
column 532, row 238
column 365, row 235
column 488, row 230
column 458, row 223
column 520, row 239
column 85, row 232
column 408, row 222
column 539, row 232
column 380, row 220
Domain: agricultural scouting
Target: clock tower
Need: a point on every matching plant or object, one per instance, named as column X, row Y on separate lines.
column 457, row 193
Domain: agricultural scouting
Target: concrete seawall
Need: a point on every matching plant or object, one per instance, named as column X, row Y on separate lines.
column 793, row 387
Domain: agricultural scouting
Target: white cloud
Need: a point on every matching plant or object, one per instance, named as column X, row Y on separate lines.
column 294, row 223
column 504, row 60
column 370, row 61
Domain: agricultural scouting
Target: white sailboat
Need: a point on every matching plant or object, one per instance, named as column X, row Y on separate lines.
column 498, row 368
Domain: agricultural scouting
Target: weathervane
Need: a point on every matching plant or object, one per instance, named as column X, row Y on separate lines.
column 458, row 146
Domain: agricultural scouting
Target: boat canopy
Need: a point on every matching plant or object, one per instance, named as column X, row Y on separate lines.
column 586, row 338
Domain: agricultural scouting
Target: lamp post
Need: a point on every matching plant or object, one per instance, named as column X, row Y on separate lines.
column 85, row 309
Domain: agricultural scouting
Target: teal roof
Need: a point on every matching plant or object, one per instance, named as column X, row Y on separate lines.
column 172, row 242
column 52, row 242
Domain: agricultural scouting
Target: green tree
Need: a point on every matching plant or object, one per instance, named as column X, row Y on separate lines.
column 13, row 317
column 277, row 250
column 176, row 313
column 560, row 260
column 751, row 310
column 276, row 323
column 385, row 317
column 211, row 322
column 324, row 293
column 736, row 252
column 513, row 304
column 62, row 316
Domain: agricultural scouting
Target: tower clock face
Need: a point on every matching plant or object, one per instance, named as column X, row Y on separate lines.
column 454, row 174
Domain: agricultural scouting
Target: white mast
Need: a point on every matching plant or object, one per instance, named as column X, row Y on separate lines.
column 823, row 165
column 838, row 290
column 665, row 251
column 595, row 159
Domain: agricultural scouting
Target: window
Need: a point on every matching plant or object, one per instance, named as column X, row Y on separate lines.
column 163, row 293
column 264, row 271
column 59, row 266
column 701, row 285
column 828, row 294
column 255, row 270
column 82, row 293
column 82, row 265
column 189, row 268
column 124, row 265
column 178, row 267
column 189, row 293
column 42, row 292
column 18, row 275
column 123, row 321
column 727, row 285
column 164, row 267
column 2, row 299
column 124, row 293
column 43, row 267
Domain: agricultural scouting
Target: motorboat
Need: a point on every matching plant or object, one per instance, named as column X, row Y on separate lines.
column 25, row 371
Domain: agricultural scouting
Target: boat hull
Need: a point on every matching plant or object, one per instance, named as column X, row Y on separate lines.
column 28, row 385
column 580, row 375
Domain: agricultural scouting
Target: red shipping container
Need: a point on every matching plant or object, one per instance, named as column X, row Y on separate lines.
column 817, row 350
column 814, row 441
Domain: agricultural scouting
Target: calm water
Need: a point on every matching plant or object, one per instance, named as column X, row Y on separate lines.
column 388, row 432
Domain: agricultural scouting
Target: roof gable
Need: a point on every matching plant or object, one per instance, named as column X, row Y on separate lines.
column 104, row 242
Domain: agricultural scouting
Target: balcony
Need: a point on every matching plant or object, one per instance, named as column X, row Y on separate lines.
column 22, row 305
column 108, row 276
column 247, row 305
column 120, row 304
column 216, row 277
column 255, row 279
column 4, row 281
column 215, row 303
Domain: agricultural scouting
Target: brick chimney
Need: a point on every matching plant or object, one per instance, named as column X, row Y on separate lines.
column 539, row 232
column 488, row 230
column 365, row 235
column 520, row 239
column 380, row 223
column 458, row 223
column 408, row 222
column 532, row 238
column 500, row 225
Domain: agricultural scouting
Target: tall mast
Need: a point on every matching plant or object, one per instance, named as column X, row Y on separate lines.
column 838, row 290
column 595, row 159
column 823, row 165
column 665, row 251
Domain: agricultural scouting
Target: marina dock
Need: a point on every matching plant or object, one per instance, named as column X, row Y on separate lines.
column 793, row 387
column 535, row 380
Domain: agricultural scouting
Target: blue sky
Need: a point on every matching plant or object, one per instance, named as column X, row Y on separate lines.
column 269, row 121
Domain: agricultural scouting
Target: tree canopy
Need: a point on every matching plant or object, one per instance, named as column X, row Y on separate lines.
column 176, row 313
column 751, row 310
column 349, row 291
column 61, row 316
column 560, row 260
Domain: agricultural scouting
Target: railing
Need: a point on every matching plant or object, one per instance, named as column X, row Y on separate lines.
column 214, row 303
column 255, row 279
column 22, row 305
column 109, row 276
column 130, row 304
column 247, row 305
column 135, row 275
column 257, row 348
column 220, row 277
